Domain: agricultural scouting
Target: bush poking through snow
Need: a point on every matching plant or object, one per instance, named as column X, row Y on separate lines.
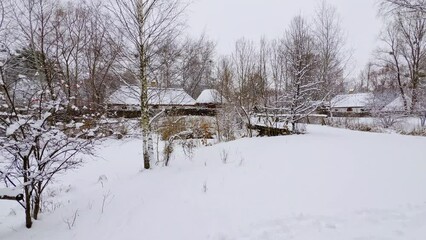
column 167, row 151
column 352, row 124
column 188, row 148
column 205, row 187
column 171, row 127
column 169, row 145
column 224, row 156
column 388, row 121
column 107, row 196
column 102, row 178
column 71, row 220
column 421, row 131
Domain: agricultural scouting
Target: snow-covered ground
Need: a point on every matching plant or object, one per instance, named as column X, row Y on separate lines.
column 328, row 184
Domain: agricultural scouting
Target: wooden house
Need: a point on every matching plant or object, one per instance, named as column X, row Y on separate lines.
column 357, row 103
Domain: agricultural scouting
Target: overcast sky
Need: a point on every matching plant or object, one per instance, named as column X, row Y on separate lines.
column 225, row 21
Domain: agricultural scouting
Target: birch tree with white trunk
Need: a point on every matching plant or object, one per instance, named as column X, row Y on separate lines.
column 145, row 24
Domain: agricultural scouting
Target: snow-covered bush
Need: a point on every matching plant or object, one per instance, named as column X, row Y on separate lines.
column 422, row 118
column 36, row 145
column 33, row 152
column 227, row 127
column 419, row 131
column 352, row 124
column 387, row 120
column 188, row 147
column 171, row 126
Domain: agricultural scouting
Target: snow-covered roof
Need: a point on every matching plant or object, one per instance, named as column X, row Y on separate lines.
column 352, row 100
column 169, row 96
column 130, row 95
column 127, row 95
column 396, row 105
column 210, row 96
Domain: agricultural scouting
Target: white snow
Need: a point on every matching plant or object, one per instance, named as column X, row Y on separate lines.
column 130, row 95
column 330, row 184
column 211, row 96
column 14, row 126
column 352, row 100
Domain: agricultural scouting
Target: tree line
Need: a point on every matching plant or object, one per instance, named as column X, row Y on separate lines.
column 399, row 62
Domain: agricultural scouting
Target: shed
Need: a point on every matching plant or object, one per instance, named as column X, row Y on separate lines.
column 351, row 103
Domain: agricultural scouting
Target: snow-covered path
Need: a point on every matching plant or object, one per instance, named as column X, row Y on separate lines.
column 328, row 184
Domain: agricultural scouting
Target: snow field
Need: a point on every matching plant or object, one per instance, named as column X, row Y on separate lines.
column 327, row 184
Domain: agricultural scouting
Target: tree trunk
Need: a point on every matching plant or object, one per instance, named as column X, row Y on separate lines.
column 37, row 201
column 414, row 99
column 143, row 81
column 145, row 126
column 27, row 192
column 150, row 145
column 28, row 219
column 146, row 158
column 36, row 209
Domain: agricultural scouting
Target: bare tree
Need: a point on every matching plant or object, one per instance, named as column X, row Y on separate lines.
column 244, row 60
column 227, row 118
column 261, row 77
column 34, row 19
column 413, row 34
column 301, row 62
column 197, row 65
column 278, row 68
column 69, row 23
column 391, row 58
column 405, row 42
column 145, row 24
column 3, row 19
column 330, row 47
column 166, row 67
column 101, row 55
column 404, row 5
column 225, row 77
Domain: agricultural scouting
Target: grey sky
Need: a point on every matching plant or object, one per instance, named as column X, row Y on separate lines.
column 225, row 21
